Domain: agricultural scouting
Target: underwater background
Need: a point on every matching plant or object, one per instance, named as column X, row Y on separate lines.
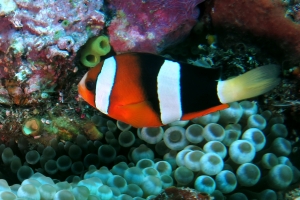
column 54, row 145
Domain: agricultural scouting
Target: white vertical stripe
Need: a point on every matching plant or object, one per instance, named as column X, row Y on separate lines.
column 168, row 89
column 104, row 85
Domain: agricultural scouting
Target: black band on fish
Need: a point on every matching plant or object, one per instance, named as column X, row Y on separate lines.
column 198, row 88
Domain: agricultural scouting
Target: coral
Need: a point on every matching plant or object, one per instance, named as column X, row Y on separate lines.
column 93, row 49
column 126, row 138
column 123, row 126
column 28, row 191
column 226, row 181
column 275, row 26
column 248, row 174
column 150, row 26
column 104, row 192
column 62, row 127
column 59, row 127
column 238, row 148
column 64, row 163
column 106, row 153
column 183, row 176
column 107, row 169
column 241, row 151
column 151, row 185
column 32, row 126
column 7, row 156
column 152, row 135
column 163, row 168
column 92, row 131
column 173, row 193
column 205, row 184
column 39, row 42
column 215, row 147
column 7, row 6
column 141, row 152
column 191, row 160
column 279, row 177
column 174, row 138
column 194, row 133
column 211, row 164
column 32, row 157
column 24, row 173
column 144, row 163
column 213, row 132
column 50, row 167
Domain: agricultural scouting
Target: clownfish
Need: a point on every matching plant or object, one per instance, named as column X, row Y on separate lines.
column 146, row 90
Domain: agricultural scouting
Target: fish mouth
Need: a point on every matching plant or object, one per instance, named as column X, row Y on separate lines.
column 81, row 84
column 85, row 94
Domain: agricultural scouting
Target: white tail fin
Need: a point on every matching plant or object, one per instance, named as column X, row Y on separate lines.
column 253, row 83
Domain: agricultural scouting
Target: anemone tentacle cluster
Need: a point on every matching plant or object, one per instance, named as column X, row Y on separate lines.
column 225, row 154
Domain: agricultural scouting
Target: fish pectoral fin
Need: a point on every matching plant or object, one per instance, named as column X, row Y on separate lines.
column 139, row 115
column 192, row 115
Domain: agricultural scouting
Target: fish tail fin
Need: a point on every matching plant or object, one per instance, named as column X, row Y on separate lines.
column 253, row 83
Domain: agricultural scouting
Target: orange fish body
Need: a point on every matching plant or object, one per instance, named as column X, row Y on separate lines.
column 147, row 90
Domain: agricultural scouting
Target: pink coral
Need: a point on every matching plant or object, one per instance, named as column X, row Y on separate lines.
column 40, row 39
column 151, row 26
column 39, row 35
column 272, row 24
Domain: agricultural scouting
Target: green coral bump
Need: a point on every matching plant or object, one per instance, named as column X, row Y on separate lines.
column 32, row 126
column 93, row 49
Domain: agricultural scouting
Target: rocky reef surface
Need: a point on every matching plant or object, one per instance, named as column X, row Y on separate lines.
column 41, row 39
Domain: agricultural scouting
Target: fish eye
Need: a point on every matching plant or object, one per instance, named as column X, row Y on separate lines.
column 90, row 85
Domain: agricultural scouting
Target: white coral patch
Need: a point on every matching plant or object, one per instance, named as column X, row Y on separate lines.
column 23, row 73
column 150, row 36
column 7, row 6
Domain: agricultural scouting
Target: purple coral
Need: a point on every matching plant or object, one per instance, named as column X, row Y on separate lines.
column 40, row 39
column 151, row 26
